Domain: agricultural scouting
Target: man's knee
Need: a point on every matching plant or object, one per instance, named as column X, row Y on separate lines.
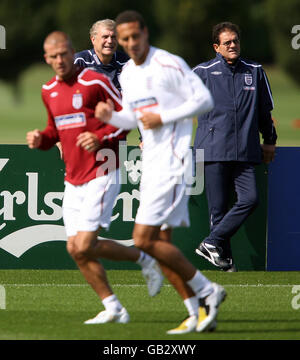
column 79, row 248
column 144, row 236
column 139, row 240
column 251, row 201
column 71, row 248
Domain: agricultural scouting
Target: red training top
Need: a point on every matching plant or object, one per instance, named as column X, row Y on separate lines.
column 71, row 110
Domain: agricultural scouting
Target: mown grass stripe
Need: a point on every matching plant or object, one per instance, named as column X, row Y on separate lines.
column 138, row 285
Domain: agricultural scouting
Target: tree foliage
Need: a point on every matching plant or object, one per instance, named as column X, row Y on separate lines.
column 181, row 26
column 282, row 16
column 186, row 27
column 26, row 23
column 76, row 18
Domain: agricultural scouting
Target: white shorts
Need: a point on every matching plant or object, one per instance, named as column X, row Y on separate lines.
column 89, row 206
column 163, row 203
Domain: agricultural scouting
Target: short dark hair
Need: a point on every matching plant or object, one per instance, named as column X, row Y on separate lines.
column 223, row 26
column 129, row 16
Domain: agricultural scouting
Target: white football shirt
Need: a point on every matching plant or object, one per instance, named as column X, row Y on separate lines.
column 163, row 84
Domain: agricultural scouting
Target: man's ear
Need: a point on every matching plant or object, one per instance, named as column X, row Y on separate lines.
column 46, row 59
column 216, row 47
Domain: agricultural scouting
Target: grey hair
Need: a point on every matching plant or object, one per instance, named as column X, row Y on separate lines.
column 106, row 23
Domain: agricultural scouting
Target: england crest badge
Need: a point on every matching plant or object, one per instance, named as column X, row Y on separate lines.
column 77, row 101
column 248, row 79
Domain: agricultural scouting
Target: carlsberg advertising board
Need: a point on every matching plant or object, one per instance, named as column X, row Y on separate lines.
column 32, row 234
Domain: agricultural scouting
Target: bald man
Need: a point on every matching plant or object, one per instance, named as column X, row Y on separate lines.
column 91, row 186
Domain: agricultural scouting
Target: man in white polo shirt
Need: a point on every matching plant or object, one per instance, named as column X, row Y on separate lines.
column 161, row 95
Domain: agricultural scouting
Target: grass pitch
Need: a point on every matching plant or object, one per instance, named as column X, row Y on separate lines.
column 53, row 304
column 18, row 117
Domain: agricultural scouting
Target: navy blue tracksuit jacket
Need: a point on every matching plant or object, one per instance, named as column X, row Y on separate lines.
column 89, row 58
column 230, row 137
column 243, row 102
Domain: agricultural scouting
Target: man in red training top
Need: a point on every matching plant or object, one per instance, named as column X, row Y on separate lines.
column 91, row 186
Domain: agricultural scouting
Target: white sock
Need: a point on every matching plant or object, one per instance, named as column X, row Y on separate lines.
column 112, row 304
column 192, row 305
column 144, row 259
column 200, row 285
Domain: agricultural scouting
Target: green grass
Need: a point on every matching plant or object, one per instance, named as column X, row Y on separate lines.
column 52, row 304
column 18, row 117
column 286, row 95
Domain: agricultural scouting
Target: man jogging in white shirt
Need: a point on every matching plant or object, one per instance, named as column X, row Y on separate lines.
column 161, row 95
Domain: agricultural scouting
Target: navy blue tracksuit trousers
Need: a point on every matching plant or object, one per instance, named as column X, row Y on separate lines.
column 220, row 178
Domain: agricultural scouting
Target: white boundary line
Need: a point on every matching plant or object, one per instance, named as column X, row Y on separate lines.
column 137, row 285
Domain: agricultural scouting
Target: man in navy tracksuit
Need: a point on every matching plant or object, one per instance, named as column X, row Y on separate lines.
column 229, row 135
column 104, row 57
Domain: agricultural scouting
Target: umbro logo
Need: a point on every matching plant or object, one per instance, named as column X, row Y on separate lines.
column 54, row 94
column 216, row 72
